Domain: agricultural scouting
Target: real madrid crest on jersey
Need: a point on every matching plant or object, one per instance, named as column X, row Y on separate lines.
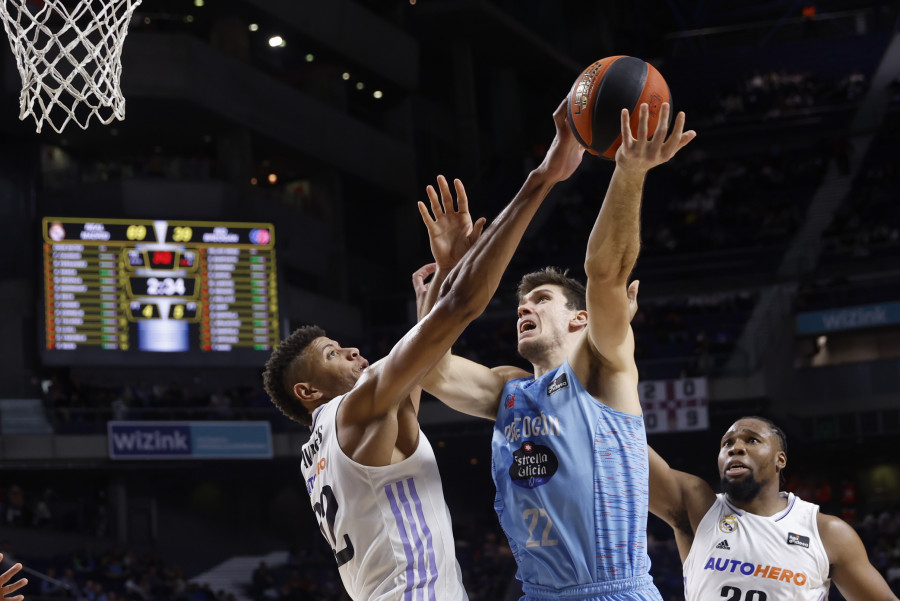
column 729, row 523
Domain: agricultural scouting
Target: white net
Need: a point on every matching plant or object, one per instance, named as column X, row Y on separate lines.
column 69, row 56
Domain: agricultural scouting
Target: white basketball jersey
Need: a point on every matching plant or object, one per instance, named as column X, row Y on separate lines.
column 740, row 556
column 389, row 526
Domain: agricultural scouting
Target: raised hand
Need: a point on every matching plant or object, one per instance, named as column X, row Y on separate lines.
column 7, row 589
column 643, row 152
column 565, row 153
column 451, row 231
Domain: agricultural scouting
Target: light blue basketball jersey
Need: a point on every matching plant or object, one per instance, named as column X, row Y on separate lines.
column 572, row 478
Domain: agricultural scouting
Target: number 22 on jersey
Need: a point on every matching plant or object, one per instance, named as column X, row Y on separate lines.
column 326, row 511
column 539, row 524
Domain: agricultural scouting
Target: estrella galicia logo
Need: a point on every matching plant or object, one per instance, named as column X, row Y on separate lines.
column 796, row 539
column 558, row 384
column 510, row 401
column 533, row 465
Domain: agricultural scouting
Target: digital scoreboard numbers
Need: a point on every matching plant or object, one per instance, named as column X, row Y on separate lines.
column 674, row 405
column 138, row 291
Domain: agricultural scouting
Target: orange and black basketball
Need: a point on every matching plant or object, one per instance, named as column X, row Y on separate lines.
column 603, row 90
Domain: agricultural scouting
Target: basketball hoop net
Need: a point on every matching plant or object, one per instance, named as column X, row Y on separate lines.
column 69, row 56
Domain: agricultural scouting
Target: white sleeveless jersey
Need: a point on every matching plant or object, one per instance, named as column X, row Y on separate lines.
column 389, row 526
column 740, row 556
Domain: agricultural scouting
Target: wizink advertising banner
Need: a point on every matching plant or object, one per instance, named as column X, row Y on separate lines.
column 848, row 318
column 189, row 440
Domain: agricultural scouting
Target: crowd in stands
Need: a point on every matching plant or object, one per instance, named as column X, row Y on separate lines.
column 847, row 291
column 46, row 509
column 690, row 336
column 487, row 565
column 79, row 406
column 684, row 336
column 116, row 574
column 867, row 224
column 777, row 93
column 710, row 201
column 485, row 559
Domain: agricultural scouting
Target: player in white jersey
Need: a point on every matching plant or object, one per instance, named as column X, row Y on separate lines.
column 406, row 534
column 370, row 472
column 753, row 542
column 7, row 588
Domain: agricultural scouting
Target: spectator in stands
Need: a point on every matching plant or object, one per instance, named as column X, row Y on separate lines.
column 8, row 586
column 43, row 514
column 17, row 513
column 70, row 584
column 175, row 580
column 50, row 587
column 84, row 561
column 263, row 582
column 220, row 404
column 137, row 588
column 726, row 532
column 119, row 408
column 93, row 591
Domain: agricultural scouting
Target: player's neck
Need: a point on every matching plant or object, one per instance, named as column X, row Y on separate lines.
column 550, row 361
column 767, row 503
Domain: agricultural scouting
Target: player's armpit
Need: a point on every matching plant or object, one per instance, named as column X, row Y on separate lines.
column 678, row 498
column 469, row 387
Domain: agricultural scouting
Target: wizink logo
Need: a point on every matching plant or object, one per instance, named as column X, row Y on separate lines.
column 860, row 317
column 147, row 440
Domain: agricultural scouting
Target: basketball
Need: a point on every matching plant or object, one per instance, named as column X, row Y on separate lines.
column 603, row 90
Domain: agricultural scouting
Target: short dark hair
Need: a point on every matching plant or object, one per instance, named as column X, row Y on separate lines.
column 782, row 439
column 284, row 362
column 576, row 295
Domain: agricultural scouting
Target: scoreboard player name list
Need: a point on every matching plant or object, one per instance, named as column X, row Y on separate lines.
column 236, row 280
column 82, row 298
column 98, row 294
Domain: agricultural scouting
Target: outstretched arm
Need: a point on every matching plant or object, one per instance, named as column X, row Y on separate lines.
column 464, row 385
column 679, row 499
column 462, row 297
column 451, row 233
column 7, row 588
column 467, row 386
column 855, row 577
column 611, row 254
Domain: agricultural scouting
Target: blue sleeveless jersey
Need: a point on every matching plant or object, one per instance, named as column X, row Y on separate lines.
column 572, row 478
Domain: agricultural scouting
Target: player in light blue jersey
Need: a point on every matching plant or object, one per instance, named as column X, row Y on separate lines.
column 569, row 448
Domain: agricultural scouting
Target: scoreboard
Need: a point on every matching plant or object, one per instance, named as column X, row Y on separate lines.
column 675, row 405
column 158, row 292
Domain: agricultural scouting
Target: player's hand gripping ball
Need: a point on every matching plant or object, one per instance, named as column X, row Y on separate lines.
column 600, row 93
